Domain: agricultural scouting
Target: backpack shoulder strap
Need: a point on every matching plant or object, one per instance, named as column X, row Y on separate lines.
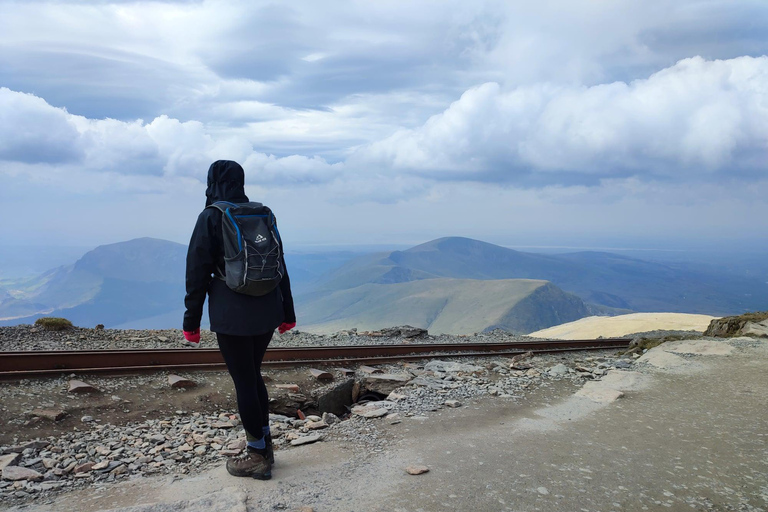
column 223, row 206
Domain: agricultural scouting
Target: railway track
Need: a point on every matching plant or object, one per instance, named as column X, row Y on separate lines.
column 39, row 363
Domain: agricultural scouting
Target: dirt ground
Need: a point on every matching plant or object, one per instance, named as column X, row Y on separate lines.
column 694, row 436
column 124, row 399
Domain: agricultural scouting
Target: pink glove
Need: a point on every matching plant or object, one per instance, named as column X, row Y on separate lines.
column 285, row 327
column 192, row 336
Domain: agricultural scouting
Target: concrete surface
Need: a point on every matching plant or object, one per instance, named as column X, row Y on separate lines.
column 686, row 437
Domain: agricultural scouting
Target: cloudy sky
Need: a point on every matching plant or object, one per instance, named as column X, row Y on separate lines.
column 610, row 123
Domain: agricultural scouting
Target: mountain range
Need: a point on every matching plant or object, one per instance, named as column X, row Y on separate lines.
column 452, row 284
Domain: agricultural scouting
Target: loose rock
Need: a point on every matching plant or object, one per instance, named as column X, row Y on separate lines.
column 416, row 469
column 78, row 386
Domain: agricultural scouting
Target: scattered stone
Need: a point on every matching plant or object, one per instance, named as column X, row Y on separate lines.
column 100, row 465
column 78, row 386
column 9, row 460
column 293, row 388
column 558, row 369
column 453, row 403
column 416, row 469
column 543, row 491
column 449, row 366
column 176, row 381
column 87, row 419
column 83, row 468
column 316, row 425
column 521, row 357
column 330, row 418
column 306, row 440
column 16, row 473
column 320, row 374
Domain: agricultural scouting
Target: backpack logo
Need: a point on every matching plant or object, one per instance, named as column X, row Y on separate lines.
column 260, row 239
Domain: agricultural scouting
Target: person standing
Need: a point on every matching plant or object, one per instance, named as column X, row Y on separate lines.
column 244, row 322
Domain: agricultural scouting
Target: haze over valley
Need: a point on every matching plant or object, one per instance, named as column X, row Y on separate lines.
column 449, row 285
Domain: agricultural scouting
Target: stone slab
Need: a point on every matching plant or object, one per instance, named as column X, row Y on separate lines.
column 599, row 392
column 661, row 359
column 16, row 473
column 335, row 398
column 385, row 383
column 698, row 347
column 306, row 440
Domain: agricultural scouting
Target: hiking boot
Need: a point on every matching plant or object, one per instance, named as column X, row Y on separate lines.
column 250, row 463
column 270, row 455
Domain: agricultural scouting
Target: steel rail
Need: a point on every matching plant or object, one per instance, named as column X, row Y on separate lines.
column 39, row 363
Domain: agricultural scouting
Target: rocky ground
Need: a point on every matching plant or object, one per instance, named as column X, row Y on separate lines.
column 30, row 337
column 134, row 427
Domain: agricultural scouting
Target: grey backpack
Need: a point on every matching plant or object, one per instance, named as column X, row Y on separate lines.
column 252, row 249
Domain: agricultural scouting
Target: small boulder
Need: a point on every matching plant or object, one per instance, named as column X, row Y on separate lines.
column 453, row 403
column 176, row 381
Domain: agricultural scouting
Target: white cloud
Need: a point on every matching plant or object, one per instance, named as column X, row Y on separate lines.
column 695, row 118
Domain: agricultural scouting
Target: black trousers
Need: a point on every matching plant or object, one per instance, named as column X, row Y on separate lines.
column 243, row 355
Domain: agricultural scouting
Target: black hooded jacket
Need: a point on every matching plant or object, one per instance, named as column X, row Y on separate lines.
column 230, row 312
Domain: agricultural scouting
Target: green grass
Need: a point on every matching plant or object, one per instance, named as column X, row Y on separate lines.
column 52, row 323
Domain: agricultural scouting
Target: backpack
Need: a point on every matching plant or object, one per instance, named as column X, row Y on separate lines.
column 252, row 250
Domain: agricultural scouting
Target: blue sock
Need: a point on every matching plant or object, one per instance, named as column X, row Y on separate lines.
column 265, row 430
column 258, row 445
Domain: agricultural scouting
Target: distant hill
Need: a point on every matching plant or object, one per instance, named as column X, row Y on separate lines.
column 140, row 283
column 111, row 284
column 456, row 306
column 603, row 279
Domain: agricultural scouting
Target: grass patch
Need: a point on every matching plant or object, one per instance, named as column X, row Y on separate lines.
column 755, row 316
column 52, row 323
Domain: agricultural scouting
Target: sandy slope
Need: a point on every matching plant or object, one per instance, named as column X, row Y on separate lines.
column 594, row 326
